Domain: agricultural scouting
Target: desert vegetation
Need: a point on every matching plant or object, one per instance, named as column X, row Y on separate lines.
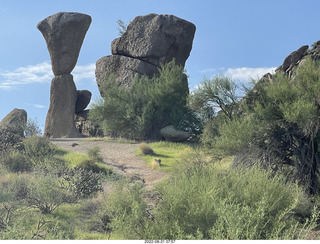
column 250, row 172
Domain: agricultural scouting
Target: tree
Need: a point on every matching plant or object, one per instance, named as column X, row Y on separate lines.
column 285, row 123
column 148, row 105
column 32, row 128
column 214, row 95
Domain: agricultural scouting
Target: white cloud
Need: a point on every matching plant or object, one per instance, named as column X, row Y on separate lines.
column 247, row 73
column 82, row 72
column 40, row 73
column 240, row 74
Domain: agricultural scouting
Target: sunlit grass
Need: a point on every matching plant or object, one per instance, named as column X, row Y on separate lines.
column 167, row 152
column 73, row 158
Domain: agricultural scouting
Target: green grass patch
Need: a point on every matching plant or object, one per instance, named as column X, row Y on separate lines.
column 73, row 158
column 167, row 152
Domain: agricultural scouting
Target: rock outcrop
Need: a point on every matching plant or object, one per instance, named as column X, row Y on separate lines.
column 12, row 129
column 148, row 42
column 292, row 60
column 15, row 122
column 64, row 33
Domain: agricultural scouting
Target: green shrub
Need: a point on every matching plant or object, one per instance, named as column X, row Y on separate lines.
column 38, row 149
column 146, row 149
column 201, row 202
column 94, row 154
column 15, row 161
column 92, row 165
column 42, row 192
column 82, row 183
column 8, row 140
column 143, row 109
column 125, row 211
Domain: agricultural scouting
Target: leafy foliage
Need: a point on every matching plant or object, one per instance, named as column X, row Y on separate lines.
column 201, row 202
column 279, row 125
column 139, row 112
column 32, row 128
column 211, row 96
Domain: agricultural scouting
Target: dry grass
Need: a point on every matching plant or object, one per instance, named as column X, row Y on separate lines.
column 156, row 163
column 146, row 149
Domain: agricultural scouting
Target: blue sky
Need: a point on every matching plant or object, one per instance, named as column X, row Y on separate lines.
column 242, row 38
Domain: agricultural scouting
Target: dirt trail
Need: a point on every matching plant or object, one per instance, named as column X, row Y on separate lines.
column 121, row 156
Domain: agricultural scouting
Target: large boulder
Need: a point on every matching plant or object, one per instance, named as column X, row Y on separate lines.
column 149, row 42
column 170, row 133
column 123, row 68
column 15, row 122
column 83, row 100
column 60, row 117
column 64, row 33
column 156, row 39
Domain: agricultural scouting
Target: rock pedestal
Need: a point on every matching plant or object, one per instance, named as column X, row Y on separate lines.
column 64, row 33
column 60, row 117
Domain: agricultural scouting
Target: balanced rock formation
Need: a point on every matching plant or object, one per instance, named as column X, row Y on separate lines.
column 64, row 33
column 149, row 42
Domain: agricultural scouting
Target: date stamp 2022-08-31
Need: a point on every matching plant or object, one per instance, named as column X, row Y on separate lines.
column 159, row 241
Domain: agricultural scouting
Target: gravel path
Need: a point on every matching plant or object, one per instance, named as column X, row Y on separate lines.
column 121, row 156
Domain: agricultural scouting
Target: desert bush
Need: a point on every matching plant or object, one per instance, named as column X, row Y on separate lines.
column 8, row 140
column 125, row 211
column 146, row 149
column 38, row 149
column 15, row 161
column 149, row 104
column 200, row 201
column 42, row 192
column 82, row 183
column 92, row 165
column 94, row 154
